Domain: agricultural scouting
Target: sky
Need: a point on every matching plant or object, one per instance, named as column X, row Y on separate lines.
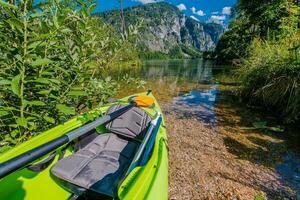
column 217, row 11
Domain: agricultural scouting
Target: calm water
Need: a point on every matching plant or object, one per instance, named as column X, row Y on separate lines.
column 190, row 87
column 196, row 71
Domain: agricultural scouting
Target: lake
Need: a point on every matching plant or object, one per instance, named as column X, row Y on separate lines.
column 191, row 90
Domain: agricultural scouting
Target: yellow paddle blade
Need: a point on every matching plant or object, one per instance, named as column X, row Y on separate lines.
column 144, row 101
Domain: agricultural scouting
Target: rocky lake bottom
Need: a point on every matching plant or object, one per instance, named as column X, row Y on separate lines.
column 219, row 147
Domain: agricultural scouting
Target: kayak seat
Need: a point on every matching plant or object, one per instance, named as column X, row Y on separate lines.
column 101, row 164
column 131, row 124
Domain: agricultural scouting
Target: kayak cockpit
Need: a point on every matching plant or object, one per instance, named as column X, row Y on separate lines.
column 103, row 161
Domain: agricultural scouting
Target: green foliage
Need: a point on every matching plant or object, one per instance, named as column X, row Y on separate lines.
column 177, row 52
column 271, row 75
column 191, row 51
column 234, row 43
column 150, row 55
column 263, row 125
column 52, row 56
column 259, row 197
column 264, row 38
column 267, row 20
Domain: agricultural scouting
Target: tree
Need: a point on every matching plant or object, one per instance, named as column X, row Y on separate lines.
column 123, row 25
column 264, row 19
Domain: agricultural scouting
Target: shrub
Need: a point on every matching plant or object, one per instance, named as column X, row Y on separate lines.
column 271, row 75
column 51, row 60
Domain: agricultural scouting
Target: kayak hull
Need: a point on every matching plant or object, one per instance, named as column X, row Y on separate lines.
column 146, row 182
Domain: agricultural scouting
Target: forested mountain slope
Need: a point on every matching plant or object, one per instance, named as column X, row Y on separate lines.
column 167, row 31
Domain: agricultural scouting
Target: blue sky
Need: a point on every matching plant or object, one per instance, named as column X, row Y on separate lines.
column 203, row 10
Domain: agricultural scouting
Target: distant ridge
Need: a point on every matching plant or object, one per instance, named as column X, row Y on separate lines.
column 167, row 31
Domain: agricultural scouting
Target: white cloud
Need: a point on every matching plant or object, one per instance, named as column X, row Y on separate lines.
column 197, row 12
column 226, row 11
column 218, row 19
column 200, row 13
column 147, row 1
column 181, row 7
column 193, row 9
column 215, row 13
column 194, row 18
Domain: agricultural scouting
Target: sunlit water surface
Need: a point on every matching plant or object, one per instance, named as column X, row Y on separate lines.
column 191, row 89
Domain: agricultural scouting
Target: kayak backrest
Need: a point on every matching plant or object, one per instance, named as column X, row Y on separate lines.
column 131, row 124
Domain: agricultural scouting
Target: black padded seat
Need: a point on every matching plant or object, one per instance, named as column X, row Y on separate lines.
column 101, row 164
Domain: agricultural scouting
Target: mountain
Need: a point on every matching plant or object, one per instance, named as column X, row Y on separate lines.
column 166, row 31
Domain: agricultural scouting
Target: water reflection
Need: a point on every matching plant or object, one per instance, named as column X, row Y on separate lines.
column 290, row 171
column 169, row 78
column 188, row 86
column 192, row 70
column 201, row 103
column 197, row 103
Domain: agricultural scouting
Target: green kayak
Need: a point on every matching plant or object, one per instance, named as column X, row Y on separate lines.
column 124, row 158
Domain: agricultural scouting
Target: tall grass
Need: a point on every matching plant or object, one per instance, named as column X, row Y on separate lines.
column 271, row 75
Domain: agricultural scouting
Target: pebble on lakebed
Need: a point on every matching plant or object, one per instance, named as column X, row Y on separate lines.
column 202, row 167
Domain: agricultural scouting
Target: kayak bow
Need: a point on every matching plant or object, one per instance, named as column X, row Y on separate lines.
column 145, row 172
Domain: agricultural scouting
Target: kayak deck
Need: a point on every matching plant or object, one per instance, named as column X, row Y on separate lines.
column 25, row 184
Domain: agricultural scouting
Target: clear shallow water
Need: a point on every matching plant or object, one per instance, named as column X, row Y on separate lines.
column 200, row 98
column 201, row 101
column 190, row 87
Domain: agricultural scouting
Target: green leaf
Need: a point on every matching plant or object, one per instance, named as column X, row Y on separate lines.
column 30, row 119
column 44, row 92
column 77, row 93
column 55, row 81
column 100, row 129
column 65, row 109
column 14, row 22
column 9, row 139
column 14, row 133
column 3, row 113
column 259, row 197
column 91, row 7
column 35, row 44
column 47, row 73
column 40, row 80
column 53, row 96
column 108, row 79
column 15, row 85
column 35, row 103
column 41, row 62
column 8, row 5
column 32, row 126
column 18, row 57
column 22, row 121
column 9, row 108
column 37, row 14
column 90, row 64
column 260, row 125
column 49, row 119
column 276, row 129
column 66, row 30
column 13, row 125
column 5, row 82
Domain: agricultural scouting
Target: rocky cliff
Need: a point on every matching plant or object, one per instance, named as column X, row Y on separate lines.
column 167, row 31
